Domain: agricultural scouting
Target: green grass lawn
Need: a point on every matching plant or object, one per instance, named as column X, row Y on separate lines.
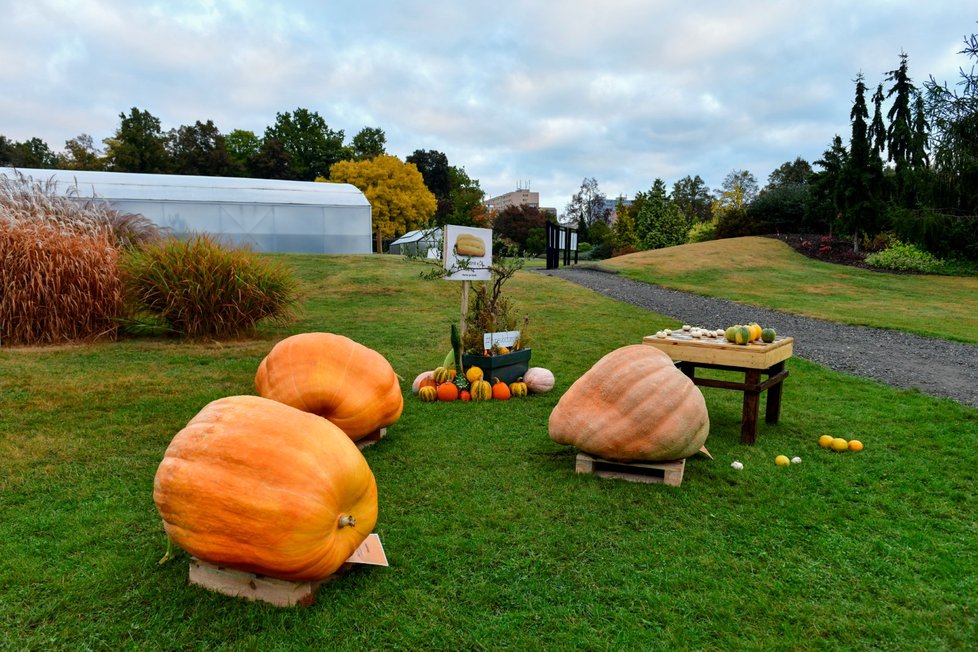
column 494, row 542
column 769, row 273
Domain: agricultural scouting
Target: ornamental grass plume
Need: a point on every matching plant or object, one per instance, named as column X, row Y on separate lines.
column 59, row 280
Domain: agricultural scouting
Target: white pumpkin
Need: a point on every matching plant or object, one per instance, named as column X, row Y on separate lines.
column 538, row 380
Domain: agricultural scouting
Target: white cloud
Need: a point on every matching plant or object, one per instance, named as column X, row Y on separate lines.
column 624, row 90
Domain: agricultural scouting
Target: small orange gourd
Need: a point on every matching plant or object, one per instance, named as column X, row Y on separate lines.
column 500, row 390
column 447, row 392
column 465, row 395
column 261, row 487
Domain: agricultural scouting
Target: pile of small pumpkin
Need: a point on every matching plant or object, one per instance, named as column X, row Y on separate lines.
column 753, row 332
column 442, row 384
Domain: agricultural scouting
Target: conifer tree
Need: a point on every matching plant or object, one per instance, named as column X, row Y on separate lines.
column 861, row 207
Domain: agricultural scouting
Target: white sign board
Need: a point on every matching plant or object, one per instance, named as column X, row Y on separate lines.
column 506, row 338
column 468, row 253
column 371, row 552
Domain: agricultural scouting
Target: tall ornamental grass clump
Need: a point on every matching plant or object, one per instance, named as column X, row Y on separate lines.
column 199, row 288
column 56, row 286
column 59, row 280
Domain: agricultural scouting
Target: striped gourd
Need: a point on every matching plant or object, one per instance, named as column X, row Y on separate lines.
column 481, row 390
column 443, row 375
column 517, row 388
column 428, row 394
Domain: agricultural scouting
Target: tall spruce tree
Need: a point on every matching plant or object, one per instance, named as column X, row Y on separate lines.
column 899, row 133
column 877, row 130
column 861, row 206
column 827, row 199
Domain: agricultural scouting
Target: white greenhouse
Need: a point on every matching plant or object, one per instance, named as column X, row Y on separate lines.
column 423, row 242
column 268, row 215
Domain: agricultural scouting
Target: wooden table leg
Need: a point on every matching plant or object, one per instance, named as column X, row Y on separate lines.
column 772, row 412
column 748, row 428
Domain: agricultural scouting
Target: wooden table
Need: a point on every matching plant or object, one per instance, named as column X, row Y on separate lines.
column 753, row 360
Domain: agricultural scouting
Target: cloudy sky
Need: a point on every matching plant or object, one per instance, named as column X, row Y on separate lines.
column 543, row 93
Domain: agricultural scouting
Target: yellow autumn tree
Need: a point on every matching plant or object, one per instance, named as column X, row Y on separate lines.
column 399, row 200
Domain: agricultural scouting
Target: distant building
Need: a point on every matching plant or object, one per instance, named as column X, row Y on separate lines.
column 610, row 206
column 518, row 197
column 423, row 242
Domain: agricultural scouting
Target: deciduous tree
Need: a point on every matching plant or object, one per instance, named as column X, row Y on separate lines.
column 692, row 195
column 242, row 146
column 515, row 224
column 790, row 173
column 138, row 144
column 399, row 200
column 466, row 199
column 199, row 149
column 586, row 208
column 31, row 153
column 311, row 145
column 81, row 154
column 434, row 168
column 368, row 143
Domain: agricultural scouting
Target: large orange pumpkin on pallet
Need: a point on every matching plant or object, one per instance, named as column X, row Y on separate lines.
column 332, row 376
column 265, row 488
column 633, row 404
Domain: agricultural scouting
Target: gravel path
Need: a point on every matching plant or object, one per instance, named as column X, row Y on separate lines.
column 933, row 366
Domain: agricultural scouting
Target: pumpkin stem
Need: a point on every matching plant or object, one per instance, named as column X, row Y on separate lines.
column 169, row 552
column 348, row 519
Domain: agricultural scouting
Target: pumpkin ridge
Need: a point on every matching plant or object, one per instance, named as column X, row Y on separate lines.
column 297, row 392
column 277, row 516
column 632, row 404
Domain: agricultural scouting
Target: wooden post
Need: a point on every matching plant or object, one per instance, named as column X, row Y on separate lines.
column 464, row 310
column 380, row 242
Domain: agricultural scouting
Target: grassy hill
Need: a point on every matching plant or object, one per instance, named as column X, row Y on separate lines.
column 769, row 273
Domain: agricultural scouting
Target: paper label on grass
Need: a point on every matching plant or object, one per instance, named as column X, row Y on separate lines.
column 371, row 551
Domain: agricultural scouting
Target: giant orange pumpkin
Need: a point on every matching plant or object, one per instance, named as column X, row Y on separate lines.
column 332, row 376
column 633, row 404
column 259, row 486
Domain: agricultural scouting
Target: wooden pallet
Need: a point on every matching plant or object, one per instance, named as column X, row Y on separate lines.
column 371, row 439
column 239, row 584
column 669, row 473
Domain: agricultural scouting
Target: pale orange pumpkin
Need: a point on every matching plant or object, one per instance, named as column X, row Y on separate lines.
column 633, row 404
column 538, row 380
column 259, row 486
column 332, row 376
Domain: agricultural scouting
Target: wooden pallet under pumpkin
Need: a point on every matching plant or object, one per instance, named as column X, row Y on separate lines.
column 668, row 473
column 371, row 439
column 239, row 584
